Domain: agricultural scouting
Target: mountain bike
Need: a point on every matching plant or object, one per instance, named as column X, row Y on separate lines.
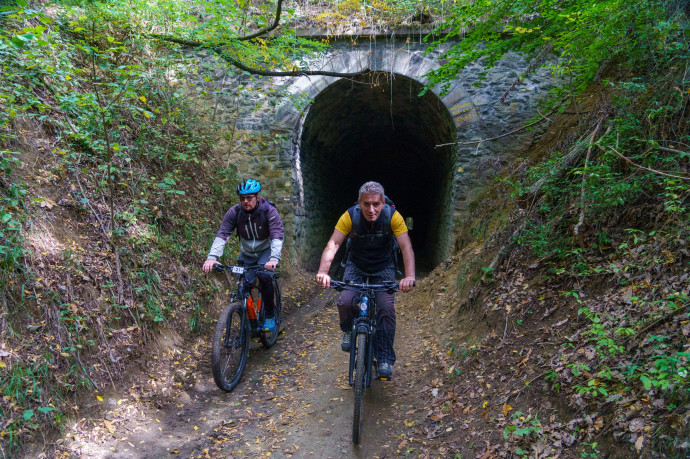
column 362, row 347
column 241, row 320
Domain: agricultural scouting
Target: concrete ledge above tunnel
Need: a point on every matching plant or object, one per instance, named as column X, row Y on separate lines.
column 377, row 127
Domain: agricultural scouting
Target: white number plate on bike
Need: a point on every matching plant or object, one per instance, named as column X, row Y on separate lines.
column 237, row 270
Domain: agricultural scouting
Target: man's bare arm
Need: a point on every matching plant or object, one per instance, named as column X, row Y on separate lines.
column 336, row 240
column 405, row 244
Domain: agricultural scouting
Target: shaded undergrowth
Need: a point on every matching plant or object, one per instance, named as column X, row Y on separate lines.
column 106, row 193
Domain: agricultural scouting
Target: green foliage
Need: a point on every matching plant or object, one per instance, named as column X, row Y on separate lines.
column 214, row 24
column 522, row 426
column 584, row 36
column 22, row 384
column 664, row 366
column 592, row 452
column 642, row 44
column 126, row 148
column 12, row 213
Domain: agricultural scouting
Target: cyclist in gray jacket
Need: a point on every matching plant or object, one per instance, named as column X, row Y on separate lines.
column 261, row 234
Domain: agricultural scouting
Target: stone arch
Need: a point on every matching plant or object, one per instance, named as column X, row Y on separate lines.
column 374, row 127
column 402, row 62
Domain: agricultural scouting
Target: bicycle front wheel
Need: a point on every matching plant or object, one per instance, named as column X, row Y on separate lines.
column 360, row 360
column 230, row 348
column 268, row 339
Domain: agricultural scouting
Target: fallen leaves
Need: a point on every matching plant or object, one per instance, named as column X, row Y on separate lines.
column 109, row 425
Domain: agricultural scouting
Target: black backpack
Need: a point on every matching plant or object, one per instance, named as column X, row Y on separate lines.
column 387, row 215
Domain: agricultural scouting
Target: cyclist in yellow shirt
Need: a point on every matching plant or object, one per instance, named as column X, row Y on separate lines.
column 370, row 259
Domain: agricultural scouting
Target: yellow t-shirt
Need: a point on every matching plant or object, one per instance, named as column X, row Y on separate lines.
column 398, row 225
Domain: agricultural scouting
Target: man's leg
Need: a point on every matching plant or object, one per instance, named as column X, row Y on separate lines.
column 385, row 328
column 267, row 294
column 346, row 310
column 266, row 285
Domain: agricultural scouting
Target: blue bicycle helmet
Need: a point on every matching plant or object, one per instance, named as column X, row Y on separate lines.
column 248, row 187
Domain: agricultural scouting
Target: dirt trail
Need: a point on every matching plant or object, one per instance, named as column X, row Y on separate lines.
column 293, row 401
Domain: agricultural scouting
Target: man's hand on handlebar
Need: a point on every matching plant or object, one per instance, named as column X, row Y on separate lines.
column 208, row 265
column 406, row 284
column 323, row 279
column 271, row 265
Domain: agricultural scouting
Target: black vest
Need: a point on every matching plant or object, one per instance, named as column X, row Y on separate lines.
column 371, row 246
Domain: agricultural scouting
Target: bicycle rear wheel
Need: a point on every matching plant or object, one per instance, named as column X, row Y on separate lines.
column 361, row 350
column 228, row 358
column 268, row 339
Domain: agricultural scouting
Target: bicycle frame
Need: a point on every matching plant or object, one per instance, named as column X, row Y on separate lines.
column 243, row 293
column 364, row 322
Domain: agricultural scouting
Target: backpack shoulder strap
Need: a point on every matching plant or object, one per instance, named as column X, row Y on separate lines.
column 355, row 218
column 388, row 212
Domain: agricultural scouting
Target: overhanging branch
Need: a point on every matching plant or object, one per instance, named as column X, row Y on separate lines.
column 269, row 73
column 267, row 29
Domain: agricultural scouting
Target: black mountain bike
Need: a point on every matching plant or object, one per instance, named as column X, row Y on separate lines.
column 362, row 347
column 241, row 320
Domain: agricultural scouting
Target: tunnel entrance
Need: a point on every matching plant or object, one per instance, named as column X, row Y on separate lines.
column 376, row 127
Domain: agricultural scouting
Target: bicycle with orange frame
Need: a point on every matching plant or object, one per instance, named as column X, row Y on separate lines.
column 241, row 320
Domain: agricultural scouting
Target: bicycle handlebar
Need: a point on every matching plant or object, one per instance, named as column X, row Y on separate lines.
column 221, row 267
column 390, row 286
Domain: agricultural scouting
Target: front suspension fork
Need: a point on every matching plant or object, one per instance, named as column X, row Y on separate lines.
column 358, row 328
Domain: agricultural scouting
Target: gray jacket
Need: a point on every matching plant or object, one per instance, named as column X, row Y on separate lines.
column 258, row 230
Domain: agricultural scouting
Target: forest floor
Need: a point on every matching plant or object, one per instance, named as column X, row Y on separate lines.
column 447, row 398
column 294, row 398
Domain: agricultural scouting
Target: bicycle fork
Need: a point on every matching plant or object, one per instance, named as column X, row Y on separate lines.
column 243, row 327
column 361, row 326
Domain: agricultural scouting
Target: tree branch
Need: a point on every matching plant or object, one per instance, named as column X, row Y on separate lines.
column 581, row 220
column 543, row 118
column 269, row 73
column 568, row 160
column 268, row 29
column 642, row 167
column 672, row 150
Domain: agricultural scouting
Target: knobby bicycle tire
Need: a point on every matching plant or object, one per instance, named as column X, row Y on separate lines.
column 228, row 362
column 268, row 339
column 360, row 361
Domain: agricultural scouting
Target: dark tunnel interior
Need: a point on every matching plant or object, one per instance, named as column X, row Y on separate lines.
column 377, row 128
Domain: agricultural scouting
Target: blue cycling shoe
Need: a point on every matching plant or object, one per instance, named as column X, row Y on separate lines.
column 270, row 324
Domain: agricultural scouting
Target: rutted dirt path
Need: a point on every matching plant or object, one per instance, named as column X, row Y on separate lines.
column 293, row 401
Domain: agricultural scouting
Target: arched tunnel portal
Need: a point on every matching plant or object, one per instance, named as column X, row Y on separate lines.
column 378, row 128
